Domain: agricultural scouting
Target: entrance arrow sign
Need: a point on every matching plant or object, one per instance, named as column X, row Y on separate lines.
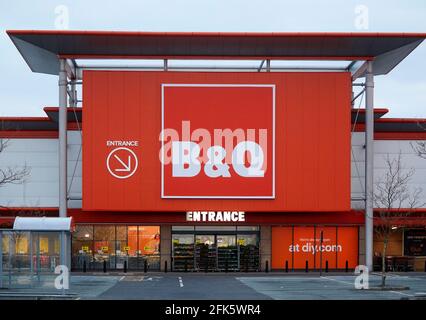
column 122, row 163
column 127, row 166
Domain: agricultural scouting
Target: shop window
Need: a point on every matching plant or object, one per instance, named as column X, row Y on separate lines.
column 121, row 233
column 415, row 242
column 395, row 245
column 104, row 232
column 83, row 232
column 149, row 240
column 116, row 245
column 132, row 240
column 82, row 247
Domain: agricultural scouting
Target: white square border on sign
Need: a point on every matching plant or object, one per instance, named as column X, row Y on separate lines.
column 164, row 85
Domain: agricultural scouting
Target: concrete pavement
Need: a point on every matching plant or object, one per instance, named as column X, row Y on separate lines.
column 220, row 286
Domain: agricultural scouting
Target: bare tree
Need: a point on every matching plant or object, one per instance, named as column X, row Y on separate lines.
column 395, row 201
column 419, row 147
column 12, row 175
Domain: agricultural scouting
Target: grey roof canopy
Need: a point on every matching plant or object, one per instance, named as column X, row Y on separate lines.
column 42, row 224
column 42, row 49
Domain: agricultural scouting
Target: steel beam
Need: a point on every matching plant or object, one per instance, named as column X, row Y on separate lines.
column 369, row 164
column 360, row 72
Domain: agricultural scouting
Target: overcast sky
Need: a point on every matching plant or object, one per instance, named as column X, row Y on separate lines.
column 23, row 93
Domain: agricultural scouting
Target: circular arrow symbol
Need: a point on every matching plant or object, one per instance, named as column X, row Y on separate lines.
column 122, row 163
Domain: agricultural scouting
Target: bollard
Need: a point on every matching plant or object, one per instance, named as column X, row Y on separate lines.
column 267, row 266
column 326, row 265
column 306, row 266
column 125, row 267
column 286, row 266
column 246, row 265
column 105, row 267
column 165, row 266
column 145, row 266
column 84, row 266
column 346, row 266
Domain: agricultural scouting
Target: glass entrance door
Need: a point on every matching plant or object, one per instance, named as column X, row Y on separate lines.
column 215, row 248
column 248, row 245
column 183, row 252
column 205, row 253
column 227, row 253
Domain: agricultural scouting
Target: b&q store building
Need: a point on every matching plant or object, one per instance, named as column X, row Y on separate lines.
column 214, row 151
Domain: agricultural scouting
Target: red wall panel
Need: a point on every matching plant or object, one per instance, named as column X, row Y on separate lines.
column 299, row 244
column 312, row 140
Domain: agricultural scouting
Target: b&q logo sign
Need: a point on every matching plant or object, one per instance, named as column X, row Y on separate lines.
column 218, row 141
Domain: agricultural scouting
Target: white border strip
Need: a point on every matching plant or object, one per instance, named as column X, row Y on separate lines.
column 163, row 85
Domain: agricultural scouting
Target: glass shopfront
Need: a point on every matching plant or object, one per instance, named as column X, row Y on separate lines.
column 117, row 246
column 215, row 248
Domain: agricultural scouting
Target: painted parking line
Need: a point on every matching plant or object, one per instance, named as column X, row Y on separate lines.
column 131, row 278
column 402, row 293
column 340, row 281
column 180, row 282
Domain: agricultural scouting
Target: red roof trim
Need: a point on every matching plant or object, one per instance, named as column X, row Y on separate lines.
column 402, row 120
column 56, row 109
column 26, row 119
column 400, row 135
column 376, row 110
column 29, row 209
column 27, row 134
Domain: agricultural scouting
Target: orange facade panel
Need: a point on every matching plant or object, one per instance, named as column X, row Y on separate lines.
column 300, row 246
column 304, row 156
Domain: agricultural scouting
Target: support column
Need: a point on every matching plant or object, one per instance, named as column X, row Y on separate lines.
column 369, row 164
column 62, row 139
column 265, row 247
column 361, row 245
column 165, row 246
column 62, row 123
